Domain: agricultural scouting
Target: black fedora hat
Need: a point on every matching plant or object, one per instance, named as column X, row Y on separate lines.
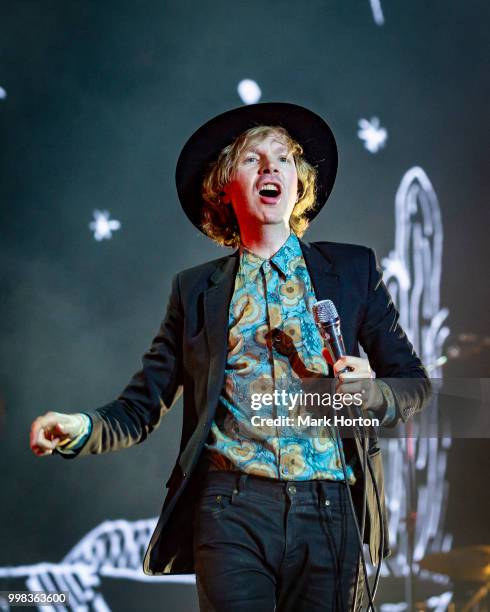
column 204, row 146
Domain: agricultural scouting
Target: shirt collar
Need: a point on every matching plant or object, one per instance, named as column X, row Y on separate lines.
column 250, row 263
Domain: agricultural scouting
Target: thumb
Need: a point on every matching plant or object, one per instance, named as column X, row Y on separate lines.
column 60, row 431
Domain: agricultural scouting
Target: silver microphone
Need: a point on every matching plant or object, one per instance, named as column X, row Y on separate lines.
column 328, row 323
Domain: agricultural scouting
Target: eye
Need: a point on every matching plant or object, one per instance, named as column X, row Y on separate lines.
column 250, row 158
column 283, row 158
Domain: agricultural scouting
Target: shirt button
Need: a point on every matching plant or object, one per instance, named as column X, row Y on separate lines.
column 292, row 489
column 327, row 502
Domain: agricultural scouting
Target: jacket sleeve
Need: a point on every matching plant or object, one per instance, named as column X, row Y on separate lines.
column 390, row 353
column 150, row 394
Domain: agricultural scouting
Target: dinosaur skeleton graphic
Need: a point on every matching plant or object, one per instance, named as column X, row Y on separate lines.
column 412, row 272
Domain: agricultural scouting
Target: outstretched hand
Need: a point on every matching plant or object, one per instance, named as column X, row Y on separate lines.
column 54, row 429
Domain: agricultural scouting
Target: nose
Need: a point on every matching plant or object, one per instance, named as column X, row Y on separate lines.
column 268, row 166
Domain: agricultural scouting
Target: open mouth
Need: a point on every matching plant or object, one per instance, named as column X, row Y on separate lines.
column 270, row 190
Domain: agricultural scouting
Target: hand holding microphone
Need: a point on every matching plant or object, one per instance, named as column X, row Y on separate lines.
column 352, row 372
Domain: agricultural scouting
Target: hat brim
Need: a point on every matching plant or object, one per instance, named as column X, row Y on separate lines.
column 204, row 146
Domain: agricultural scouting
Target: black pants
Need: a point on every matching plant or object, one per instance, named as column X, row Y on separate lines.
column 262, row 545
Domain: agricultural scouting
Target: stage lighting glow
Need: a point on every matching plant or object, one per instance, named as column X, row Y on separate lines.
column 3, row 93
column 103, row 226
column 373, row 134
column 249, row 91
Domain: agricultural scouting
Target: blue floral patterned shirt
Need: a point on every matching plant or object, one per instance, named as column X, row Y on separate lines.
column 271, row 296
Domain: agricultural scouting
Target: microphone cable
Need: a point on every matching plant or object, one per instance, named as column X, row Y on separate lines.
column 367, row 459
column 356, row 522
column 328, row 322
column 366, row 462
column 364, row 508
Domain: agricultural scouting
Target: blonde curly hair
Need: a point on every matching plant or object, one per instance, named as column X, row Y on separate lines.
column 218, row 220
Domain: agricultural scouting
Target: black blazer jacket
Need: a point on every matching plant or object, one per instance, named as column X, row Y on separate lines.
column 189, row 354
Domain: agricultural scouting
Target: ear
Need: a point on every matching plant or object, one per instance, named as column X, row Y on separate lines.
column 224, row 197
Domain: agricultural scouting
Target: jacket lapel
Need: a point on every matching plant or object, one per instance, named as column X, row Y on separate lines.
column 216, row 305
column 325, row 280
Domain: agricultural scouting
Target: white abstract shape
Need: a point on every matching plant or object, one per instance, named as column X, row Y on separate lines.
column 440, row 603
column 394, row 267
column 377, row 12
column 447, row 543
column 103, row 225
column 413, row 270
column 3, row 93
column 77, row 579
column 412, row 273
column 373, row 135
column 114, row 549
column 249, row 91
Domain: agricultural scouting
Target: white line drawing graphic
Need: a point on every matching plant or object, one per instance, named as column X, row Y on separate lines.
column 113, row 549
column 373, row 135
column 412, row 272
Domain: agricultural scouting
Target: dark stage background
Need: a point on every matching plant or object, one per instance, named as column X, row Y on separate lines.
column 96, row 101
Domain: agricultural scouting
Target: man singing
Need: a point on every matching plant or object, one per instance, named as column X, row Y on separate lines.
column 263, row 519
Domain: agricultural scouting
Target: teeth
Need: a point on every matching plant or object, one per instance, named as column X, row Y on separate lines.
column 269, row 187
